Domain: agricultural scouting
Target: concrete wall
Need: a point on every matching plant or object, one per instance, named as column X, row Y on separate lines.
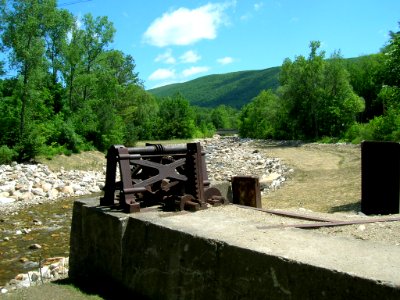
column 220, row 254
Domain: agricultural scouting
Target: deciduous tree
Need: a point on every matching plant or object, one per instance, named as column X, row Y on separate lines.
column 317, row 96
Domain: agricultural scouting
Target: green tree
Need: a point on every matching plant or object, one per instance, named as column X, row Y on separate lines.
column 203, row 122
column 225, row 117
column 98, row 34
column 92, row 82
column 23, row 34
column 392, row 64
column 387, row 127
column 339, row 103
column 366, row 78
column 317, row 96
column 139, row 110
column 59, row 25
column 261, row 118
column 72, row 61
column 82, row 53
column 220, row 117
column 70, row 91
column 175, row 118
column 9, row 119
column 124, row 108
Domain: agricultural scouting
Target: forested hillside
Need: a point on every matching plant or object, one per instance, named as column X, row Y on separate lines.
column 67, row 90
column 232, row 89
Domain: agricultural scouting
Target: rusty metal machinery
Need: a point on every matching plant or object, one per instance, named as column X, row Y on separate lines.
column 174, row 176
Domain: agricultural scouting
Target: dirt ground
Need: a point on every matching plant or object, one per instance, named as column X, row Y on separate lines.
column 326, row 183
column 326, row 177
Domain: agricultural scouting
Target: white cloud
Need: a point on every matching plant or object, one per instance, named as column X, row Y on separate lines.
column 257, row 6
column 194, row 70
column 246, row 17
column 166, row 57
column 186, row 26
column 225, row 60
column 190, row 57
column 162, row 74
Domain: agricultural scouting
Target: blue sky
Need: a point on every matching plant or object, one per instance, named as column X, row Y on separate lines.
column 176, row 41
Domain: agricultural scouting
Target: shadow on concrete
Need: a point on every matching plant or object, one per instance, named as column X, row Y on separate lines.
column 107, row 290
column 356, row 206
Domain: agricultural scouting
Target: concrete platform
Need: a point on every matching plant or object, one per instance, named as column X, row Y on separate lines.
column 220, row 253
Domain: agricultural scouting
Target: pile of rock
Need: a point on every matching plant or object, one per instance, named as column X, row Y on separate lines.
column 25, row 184
column 51, row 269
column 35, row 183
column 233, row 156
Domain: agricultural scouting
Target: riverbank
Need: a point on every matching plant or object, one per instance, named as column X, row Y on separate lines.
column 315, row 179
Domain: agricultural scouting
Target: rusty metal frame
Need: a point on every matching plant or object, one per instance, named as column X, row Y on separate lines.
column 140, row 170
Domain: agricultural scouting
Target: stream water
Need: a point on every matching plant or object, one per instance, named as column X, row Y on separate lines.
column 47, row 225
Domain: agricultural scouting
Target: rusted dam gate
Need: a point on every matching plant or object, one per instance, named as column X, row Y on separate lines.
column 182, row 251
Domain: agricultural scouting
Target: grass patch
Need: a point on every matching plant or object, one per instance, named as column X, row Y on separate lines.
column 89, row 160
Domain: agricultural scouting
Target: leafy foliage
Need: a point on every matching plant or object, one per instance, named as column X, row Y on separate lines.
column 176, row 119
column 260, row 118
column 386, row 125
column 366, row 78
column 315, row 100
column 7, row 155
column 72, row 92
column 318, row 97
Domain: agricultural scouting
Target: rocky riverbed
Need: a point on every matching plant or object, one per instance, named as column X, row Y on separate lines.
column 228, row 157
column 23, row 186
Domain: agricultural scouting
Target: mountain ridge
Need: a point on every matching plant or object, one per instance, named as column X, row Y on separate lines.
column 232, row 89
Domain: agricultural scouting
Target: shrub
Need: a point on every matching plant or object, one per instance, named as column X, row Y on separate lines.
column 7, row 155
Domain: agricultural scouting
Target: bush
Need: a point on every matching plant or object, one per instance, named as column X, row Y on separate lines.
column 30, row 144
column 380, row 128
column 70, row 138
column 7, row 155
column 358, row 132
column 328, row 140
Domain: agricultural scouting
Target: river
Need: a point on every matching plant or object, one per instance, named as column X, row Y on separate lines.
column 47, row 225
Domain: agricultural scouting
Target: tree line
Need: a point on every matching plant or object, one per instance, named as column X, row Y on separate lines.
column 70, row 91
column 331, row 99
